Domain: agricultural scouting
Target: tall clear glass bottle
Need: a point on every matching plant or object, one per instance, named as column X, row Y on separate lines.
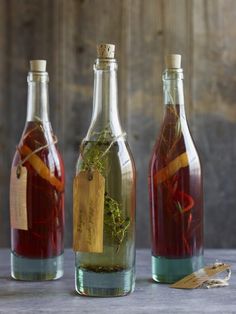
column 37, row 190
column 111, row 272
column 175, row 185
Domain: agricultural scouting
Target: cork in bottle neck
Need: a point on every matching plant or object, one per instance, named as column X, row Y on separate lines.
column 37, row 71
column 105, row 58
column 173, row 61
column 106, row 51
column 38, row 65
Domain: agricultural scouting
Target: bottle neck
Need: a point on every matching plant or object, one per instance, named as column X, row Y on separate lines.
column 105, row 99
column 38, row 100
column 173, row 90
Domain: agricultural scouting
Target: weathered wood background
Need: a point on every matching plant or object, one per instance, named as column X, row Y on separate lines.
column 66, row 32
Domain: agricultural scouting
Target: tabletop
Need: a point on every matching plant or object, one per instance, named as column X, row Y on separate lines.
column 149, row 297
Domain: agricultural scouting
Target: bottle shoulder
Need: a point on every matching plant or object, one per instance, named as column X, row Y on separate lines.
column 39, row 144
column 173, row 143
column 98, row 155
column 38, row 134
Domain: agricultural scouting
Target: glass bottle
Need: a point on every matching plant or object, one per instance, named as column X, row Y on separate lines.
column 37, row 248
column 105, row 149
column 175, row 187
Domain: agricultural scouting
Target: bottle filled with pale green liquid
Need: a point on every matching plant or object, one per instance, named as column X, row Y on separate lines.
column 104, row 194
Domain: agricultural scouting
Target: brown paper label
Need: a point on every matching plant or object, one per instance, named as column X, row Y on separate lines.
column 198, row 278
column 18, row 200
column 88, row 212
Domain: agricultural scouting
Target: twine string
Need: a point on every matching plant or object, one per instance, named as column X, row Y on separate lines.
column 90, row 167
column 217, row 282
column 21, row 162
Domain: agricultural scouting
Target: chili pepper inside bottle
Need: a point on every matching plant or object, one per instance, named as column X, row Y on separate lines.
column 37, row 190
column 175, row 188
column 104, row 194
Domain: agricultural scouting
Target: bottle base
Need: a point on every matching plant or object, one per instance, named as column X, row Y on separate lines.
column 166, row 270
column 104, row 284
column 32, row 269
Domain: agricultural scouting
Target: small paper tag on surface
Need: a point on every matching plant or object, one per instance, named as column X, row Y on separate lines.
column 88, row 212
column 18, row 198
column 199, row 277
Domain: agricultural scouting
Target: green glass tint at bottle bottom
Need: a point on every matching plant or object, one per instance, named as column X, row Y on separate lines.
column 111, row 279
column 29, row 269
column 166, row 270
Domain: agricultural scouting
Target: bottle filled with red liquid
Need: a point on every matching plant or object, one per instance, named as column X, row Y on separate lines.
column 37, row 190
column 175, row 188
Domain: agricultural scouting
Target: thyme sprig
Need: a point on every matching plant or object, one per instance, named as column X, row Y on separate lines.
column 116, row 224
column 94, row 158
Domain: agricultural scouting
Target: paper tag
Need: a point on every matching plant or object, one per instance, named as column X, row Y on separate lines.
column 18, row 198
column 88, row 212
column 198, row 278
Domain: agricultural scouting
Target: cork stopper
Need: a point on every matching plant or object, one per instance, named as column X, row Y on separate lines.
column 106, row 51
column 173, row 61
column 38, row 65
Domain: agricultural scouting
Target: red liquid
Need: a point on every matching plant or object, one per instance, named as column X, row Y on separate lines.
column 45, row 202
column 176, row 192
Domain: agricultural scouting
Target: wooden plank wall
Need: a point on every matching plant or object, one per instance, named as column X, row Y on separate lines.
column 65, row 32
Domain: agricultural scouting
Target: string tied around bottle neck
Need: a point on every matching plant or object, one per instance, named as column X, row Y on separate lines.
column 22, row 161
column 91, row 168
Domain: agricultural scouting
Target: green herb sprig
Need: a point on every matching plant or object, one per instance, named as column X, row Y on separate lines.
column 94, row 158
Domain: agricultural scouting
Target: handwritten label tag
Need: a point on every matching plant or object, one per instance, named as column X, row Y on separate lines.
column 18, row 199
column 199, row 277
column 88, row 212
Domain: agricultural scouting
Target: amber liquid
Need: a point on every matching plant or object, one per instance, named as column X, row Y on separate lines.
column 176, row 197
column 45, row 203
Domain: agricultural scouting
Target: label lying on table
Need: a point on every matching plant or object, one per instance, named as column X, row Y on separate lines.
column 18, row 198
column 203, row 275
column 88, row 212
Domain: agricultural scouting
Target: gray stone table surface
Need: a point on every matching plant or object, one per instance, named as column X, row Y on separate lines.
column 149, row 297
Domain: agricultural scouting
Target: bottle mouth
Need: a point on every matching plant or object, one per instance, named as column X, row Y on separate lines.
column 173, row 74
column 37, row 76
column 105, row 64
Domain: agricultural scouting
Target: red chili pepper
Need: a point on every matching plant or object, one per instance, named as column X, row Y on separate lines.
column 190, row 218
column 187, row 202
